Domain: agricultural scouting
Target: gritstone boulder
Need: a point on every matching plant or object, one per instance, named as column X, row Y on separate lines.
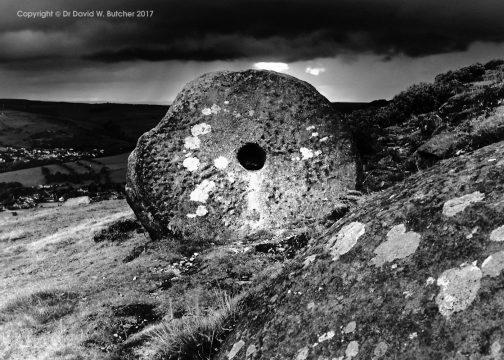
column 240, row 153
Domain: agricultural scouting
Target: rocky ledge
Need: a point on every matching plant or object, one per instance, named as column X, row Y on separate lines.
column 413, row 273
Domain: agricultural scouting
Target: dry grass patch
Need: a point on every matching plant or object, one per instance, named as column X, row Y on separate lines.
column 39, row 308
column 196, row 335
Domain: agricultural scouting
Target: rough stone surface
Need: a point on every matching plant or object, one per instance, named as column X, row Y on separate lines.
column 442, row 301
column 442, row 145
column 299, row 167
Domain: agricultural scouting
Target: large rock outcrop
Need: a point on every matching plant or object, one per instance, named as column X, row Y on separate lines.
column 416, row 272
column 240, row 153
column 459, row 112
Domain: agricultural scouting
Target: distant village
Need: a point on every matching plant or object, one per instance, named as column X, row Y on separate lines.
column 13, row 158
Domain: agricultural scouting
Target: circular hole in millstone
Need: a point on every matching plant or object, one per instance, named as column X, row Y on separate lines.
column 251, row 156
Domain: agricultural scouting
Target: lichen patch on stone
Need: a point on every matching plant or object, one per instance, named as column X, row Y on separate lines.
column 326, row 336
column 308, row 260
column 430, row 280
column 310, row 128
column 314, row 134
column 350, row 328
column 201, row 193
column 399, row 244
column 192, row 142
column 497, row 234
column 459, row 288
column 496, row 350
column 380, row 349
column 251, row 350
column 236, row 349
column 493, row 265
column 302, row 354
column 221, row 162
column 306, row 153
column 352, row 349
column 201, row 129
column 201, row 210
column 456, row 205
column 346, row 239
column 230, row 177
column 214, row 109
column 191, row 163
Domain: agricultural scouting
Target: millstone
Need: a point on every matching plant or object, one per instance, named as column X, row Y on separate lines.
column 240, row 153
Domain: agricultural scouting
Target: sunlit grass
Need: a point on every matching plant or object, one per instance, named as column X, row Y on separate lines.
column 196, row 335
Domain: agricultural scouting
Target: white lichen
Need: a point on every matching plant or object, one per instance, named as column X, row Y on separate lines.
column 497, row 234
column 306, row 153
column 350, row 328
column 230, row 177
column 236, row 349
column 352, row 349
column 221, row 162
column 493, row 265
column 398, row 245
column 346, row 239
column 308, row 260
column 251, row 350
column 456, row 205
column 310, row 128
column 459, row 287
column 314, row 134
column 302, row 354
column 191, row 216
column 496, row 350
column 201, row 210
column 327, row 336
column 201, row 193
column 192, row 142
column 380, row 349
column 214, row 109
column 325, row 138
column 191, row 163
column 201, row 129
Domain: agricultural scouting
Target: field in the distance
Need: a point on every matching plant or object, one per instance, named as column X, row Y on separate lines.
column 115, row 167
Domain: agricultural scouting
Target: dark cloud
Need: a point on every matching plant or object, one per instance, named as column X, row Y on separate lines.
column 274, row 30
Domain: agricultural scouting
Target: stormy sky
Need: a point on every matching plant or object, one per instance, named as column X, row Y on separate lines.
column 350, row 50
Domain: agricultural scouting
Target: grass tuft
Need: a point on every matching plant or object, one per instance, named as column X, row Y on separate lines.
column 39, row 308
column 196, row 335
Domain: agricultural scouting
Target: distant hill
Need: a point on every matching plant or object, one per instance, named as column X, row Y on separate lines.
column 112, row 127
